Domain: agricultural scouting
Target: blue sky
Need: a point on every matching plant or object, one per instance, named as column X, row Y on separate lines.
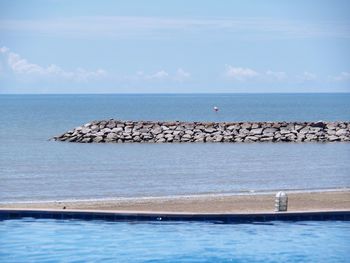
column 61, row 46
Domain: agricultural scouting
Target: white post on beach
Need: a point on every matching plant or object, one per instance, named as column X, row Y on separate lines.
column 281, row 202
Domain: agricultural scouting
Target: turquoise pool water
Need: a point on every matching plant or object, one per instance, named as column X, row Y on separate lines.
column 39, row 240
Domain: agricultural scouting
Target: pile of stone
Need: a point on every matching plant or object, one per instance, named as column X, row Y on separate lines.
column 115, row 131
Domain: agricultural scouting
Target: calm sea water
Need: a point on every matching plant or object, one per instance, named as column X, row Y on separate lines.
column 97, row 241
column 33, row 168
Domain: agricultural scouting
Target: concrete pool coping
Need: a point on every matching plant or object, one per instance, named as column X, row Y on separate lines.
column 9, row 213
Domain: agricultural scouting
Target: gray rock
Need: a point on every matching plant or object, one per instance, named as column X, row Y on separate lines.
column 143, row 130
column 233, row 127
column 71, row 139
column 117, row 130
column 98, row 139
column 304, row 130
column 189, row 132
column 128, row 129
column 185, row 139
column 266, row 139
column 314, row 130
column 86, row 140
column 106, row 130
column 344, row 138
column 341, row 132
column 209, row 139
column 228, row 138
column 94, row 127
column 331, row 132
column 188, row 136
column 256, row 131
column 319, row 124
column 137, row 139
column 137, row 127
column 251, row 139
column 161, row 135
column 277, row 135
column 331, row 126
column 291, row 137
column 269, row 130
column 246, row 125
column 311, row 137
column 243, row 131
column 218, row 138
column 298, row 127
column 209, row 130
column 342, row 125
column 85, row 130
column 146, row 136
column 170, row 138
column 285, row 130
column 136, row 133
column 161, row 140
column 201, row 139
column 111, row 136
column 178, row 133
column 111, row 124
column 266, row 135
column 157, row 131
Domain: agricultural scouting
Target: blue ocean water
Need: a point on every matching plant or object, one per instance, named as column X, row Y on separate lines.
column 97, row 241
column 33, row 168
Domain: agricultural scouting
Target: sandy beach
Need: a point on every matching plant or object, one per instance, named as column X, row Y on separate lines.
column 247, row 203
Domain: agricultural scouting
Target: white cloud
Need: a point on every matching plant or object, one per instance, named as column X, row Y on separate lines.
column 21, row 66
column 343, row 76
column 4, row 50
column 141, row 75
column 307, row 76
column 182, row 75
column 248, row 74
column 276, row 75
column 160, row 75
column 240, row 74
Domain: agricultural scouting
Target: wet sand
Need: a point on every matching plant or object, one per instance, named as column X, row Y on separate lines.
column 252, row 203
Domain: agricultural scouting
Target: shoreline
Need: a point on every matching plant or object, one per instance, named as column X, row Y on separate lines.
column 180, row 196
column 323, row 200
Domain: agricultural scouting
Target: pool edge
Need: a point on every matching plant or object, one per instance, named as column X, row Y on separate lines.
column 6, row 214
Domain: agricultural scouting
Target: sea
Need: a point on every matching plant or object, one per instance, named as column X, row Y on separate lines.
column 33, row 168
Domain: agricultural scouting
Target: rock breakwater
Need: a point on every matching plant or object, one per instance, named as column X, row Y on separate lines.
column 115, row 131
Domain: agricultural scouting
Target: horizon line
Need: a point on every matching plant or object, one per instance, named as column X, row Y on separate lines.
column 176, row 93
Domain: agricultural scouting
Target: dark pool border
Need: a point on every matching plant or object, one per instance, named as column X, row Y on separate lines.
column 6, row 214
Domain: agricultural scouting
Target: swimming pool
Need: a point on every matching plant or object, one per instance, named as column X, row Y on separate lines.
column 50, row 240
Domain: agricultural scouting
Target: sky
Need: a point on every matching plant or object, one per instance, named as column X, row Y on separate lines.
column 182, row 46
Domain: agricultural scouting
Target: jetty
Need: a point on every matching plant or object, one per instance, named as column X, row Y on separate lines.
column 118, row 131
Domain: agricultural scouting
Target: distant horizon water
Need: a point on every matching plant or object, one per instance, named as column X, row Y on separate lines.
column 177, row 93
